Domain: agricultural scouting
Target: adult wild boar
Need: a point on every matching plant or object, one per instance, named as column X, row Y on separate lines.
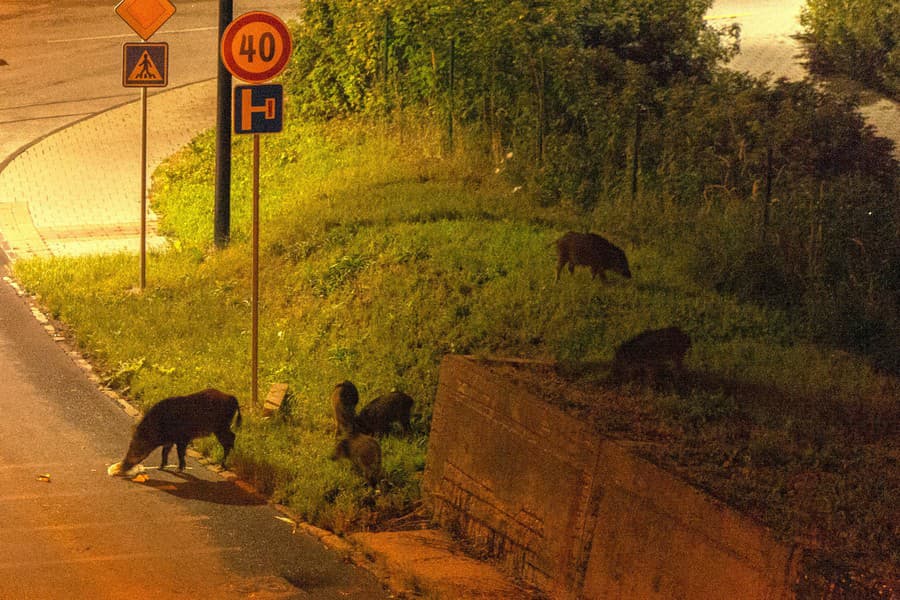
column 364, row 454
column 377, row 416
column 590, row 250
column 178, row 420
column 651, row 351
column 344, row 399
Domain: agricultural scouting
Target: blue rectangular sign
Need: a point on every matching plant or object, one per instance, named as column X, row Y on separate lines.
column 145, row 65
column 258, row 108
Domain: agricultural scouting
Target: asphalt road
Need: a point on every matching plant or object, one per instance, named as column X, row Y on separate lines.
column 64, row 58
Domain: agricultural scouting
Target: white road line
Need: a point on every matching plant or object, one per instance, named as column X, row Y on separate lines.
column 126, row 35
column 729, row 17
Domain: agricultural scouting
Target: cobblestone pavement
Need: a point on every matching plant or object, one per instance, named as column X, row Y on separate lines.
column 77, row 191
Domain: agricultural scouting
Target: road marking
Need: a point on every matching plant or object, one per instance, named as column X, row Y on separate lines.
column 125, row 35
column 735, row 16
column 130, row 557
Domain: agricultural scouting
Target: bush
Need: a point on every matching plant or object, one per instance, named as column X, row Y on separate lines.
column 860, row 39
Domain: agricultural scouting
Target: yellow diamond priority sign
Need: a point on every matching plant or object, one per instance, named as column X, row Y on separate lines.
column 145, row 16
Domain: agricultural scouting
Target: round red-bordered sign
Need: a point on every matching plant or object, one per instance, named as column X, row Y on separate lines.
column 256, row 47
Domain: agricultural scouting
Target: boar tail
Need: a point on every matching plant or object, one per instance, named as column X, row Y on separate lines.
column 237, row 410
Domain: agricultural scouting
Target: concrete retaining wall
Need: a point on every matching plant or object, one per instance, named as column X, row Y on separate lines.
column 579, row 516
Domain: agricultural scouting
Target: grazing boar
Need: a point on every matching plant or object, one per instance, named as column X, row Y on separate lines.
column 344, row 399
column 590, row 250
column 364, row 453
column 652, row 350
column 178, row 420
column 378, row 416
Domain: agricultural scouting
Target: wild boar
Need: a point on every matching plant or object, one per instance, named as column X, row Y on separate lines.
column 652, row 350
column 364, row 454
column 590, row 250
column 344, row 399
column 380, row 414
column 178, row 420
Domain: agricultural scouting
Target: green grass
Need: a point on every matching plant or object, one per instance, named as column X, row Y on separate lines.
column 380, row 255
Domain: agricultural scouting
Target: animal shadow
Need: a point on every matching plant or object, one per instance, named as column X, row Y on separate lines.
column 191, row 487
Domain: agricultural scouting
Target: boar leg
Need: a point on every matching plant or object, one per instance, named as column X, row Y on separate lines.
column 165, row 456
column 181, row 448
column 226, row 438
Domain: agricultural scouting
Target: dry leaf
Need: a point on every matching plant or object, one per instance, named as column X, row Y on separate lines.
column 141, row 478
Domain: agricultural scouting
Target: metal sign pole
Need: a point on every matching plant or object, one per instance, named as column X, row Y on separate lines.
column 254, row 295
column 143, row 187
column 222, row 200
column 257, row 109
column 150, row 68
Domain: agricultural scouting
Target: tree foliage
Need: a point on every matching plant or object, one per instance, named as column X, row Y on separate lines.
column 585, row 102
column 859, row 38
column 521, row 70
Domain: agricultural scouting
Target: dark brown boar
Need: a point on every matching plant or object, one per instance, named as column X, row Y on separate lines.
column 590, row 250
column 344, row 399
column 652, row 350
column 178, row 420
column 377, row 417
column 364, row 453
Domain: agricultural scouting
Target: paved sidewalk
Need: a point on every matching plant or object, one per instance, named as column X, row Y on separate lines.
column 77, row 191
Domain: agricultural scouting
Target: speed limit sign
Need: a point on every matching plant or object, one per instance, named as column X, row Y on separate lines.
column 256, row 47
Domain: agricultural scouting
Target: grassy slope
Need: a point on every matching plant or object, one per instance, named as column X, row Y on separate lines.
column 379, row 256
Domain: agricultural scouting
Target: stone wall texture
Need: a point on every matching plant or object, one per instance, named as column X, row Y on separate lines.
column 579, row 516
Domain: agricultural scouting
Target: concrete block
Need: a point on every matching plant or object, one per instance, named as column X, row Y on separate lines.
column 579, row 516
column 274, row 398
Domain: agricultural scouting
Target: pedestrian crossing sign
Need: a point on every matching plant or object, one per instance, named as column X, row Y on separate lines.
column 145, row 65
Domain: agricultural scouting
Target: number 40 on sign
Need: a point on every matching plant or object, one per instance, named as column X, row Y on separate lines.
column 256, row 47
